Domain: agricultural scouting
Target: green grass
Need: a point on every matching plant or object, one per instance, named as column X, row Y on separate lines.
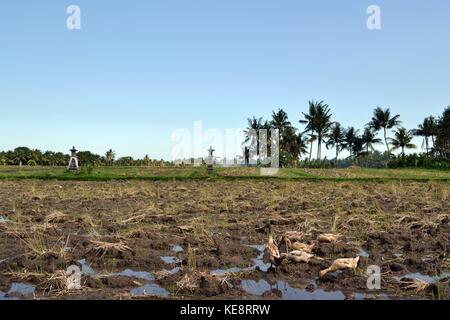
column 238, row 173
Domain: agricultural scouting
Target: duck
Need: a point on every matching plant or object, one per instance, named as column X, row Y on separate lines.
column 327, row 237
column 294, row 235
column 300, row 256
column 283, row 242
column 303, row 247
column 271, row 252
column 339, row 264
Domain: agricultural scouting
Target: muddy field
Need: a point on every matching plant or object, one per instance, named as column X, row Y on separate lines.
column 204, row 240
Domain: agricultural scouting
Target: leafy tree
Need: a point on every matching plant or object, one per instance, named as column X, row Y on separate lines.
column 402, row 140
column 427, row 130
column 318, row 121
column 369, row 139
column 89, row 158
column 280, row 120
column 382, row 119
column 336, row 137
column 443, row 134
column 252, row 132
column 350, row 139
column 125, row 161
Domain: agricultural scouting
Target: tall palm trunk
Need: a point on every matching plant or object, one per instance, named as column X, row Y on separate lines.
column 385, row 140
column 337, row 154
column 319, row 145
column 426, row 144
column 311, row 145
column 310, row 150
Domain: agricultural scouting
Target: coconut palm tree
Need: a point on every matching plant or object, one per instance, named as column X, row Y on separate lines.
column 335, row 138
column 322, row 124
column 290, row 140
column 302, row 144
column 443, row 134
column 311, row 139
column 309, row 121
column 350, row 138
column 369, row 139
column 280, row 120
column 252, row 132
column 382, row 120
column 427, row 130
column 402, row 140
column 358, row 146
column 318, row 120
column 294, row 145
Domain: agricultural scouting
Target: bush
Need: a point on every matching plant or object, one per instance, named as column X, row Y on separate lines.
column 420, row 161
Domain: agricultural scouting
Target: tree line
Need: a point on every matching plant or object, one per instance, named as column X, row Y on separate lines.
column 33, row 157
column 320, row 129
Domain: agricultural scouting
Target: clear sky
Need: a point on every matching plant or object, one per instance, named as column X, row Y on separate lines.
column 140, row 69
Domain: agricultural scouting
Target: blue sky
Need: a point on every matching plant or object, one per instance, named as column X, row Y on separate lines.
column 138, row 70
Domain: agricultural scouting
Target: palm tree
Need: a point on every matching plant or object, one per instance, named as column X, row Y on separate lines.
column 318, row 120
column 350, row 138
column 302, row 144
column 335, row 138
column 322, row 125
column 110, row 155
column 443, row 133
column 254, row 125
column 427, row 130
column 382, row 120
column 309, row 121
column 369, row 139
column 402, row 140
column 295, row 144
column 311, row 138
column 280, row 120
column 290, row 140
column 358, row 146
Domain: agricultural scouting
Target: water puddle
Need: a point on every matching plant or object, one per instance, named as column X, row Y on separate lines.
column 177, row 248
column 219, row 272
column 363, row 253
column 4, row 296
column 136, row 274
column 423, row 277
column 86, row 268
column 288, row 293
column 170, row 260
column 259, row 247
column 174, row 270
column 21, row 289
column 150, row 290
column 258, row 263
